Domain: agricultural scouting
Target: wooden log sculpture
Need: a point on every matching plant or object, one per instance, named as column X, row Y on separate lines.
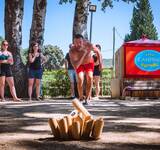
column 79, row 124
column 63, row 128
column 54, row 127
column 97, row 128
column 81, row 109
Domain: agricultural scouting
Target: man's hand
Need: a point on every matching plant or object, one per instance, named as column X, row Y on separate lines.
column 4, row 61
column 36, row 54
column 10, row 60
column 88, row 46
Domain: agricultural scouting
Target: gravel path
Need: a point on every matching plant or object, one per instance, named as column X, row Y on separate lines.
column 129, row 125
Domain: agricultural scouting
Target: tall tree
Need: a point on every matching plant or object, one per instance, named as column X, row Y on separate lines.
column 80, row 18
column 142, row 22
column 13, row 34
column 38, row 21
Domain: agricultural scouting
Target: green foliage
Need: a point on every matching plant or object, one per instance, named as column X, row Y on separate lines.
column 65, row 1
column 127, row 37
column 142, row 22
column 106, row 79
column 106, row 73
column 55, row 57
column 24, row 55
column 1, row 39
column 104, row 3
column 56, row 83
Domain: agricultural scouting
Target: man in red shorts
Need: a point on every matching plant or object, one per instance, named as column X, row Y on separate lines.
column 81, row 55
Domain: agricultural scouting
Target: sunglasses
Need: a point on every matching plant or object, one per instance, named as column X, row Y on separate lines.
column 5, row 44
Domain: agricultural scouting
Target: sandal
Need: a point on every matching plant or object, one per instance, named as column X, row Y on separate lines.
column 17, row 100
column 3, row 100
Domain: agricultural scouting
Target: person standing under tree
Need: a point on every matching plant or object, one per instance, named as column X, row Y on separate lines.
column 6, row 60
column 72, row 75
column 97, row 74
column 82, row 61
column 36, row 59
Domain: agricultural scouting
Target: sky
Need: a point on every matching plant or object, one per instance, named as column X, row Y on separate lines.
column 59, row 23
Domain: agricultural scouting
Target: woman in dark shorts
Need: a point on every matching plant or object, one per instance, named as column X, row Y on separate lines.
column 36, row 59
column 96, row 75
column 6, row 60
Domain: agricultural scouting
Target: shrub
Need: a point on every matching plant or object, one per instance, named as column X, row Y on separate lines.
column 56, row 83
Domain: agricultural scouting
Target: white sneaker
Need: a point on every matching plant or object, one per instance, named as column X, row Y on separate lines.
column 96, row 98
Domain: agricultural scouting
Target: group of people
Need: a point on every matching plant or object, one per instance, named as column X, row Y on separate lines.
column 84, row 60
column 36, row 59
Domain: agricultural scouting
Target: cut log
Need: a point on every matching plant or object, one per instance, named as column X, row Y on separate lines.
column 76, row 130
column 81, row 109
column 81, row 121
column 97, row 128
column 88, row 126
column 63, row 128
column 69, row 124
column 54, row 127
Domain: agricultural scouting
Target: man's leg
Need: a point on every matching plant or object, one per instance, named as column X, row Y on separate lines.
column 80, row 77
column 89, row 77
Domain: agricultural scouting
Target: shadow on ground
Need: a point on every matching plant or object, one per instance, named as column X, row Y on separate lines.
column 128, row 125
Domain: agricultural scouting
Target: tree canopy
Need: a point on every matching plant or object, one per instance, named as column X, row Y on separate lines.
column 142, row 22
column 54, row 56
column 1, row 39
column 104, row 3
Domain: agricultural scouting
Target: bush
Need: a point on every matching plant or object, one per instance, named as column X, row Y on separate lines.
column 56, row 83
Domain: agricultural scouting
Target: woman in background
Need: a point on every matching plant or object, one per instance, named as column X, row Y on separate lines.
column 6, row 60
column 97, row 74
column 36, row 59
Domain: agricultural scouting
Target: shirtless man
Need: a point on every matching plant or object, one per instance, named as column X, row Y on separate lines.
column 82, row 61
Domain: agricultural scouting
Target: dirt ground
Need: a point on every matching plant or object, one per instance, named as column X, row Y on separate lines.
column 129, row 125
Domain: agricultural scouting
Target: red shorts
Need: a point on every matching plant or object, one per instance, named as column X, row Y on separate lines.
column 85, row 68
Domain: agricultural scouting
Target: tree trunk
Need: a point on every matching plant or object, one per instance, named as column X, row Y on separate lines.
column 80, row 18
column 13, row 34
column 38, row 21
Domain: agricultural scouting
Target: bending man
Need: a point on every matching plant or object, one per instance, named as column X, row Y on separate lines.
column 82, row 60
